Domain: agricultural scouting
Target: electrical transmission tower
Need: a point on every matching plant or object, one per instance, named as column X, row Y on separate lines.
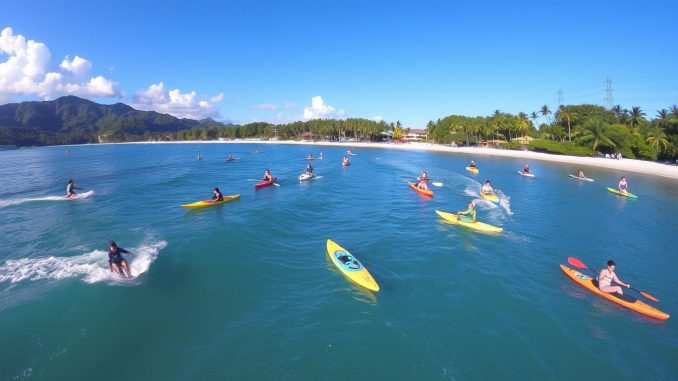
column 560, row 97
column 608, row 92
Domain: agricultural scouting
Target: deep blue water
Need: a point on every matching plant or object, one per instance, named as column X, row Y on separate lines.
column 245, row 290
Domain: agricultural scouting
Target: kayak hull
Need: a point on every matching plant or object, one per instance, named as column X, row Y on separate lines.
column 525, row 174
column 479, row 226
column 425, row 192
column 352, row 269
column 490, row 197
column 625, row 300
column 305, row 176
column 473, row 170
column 580, row 178
column 619, row 193
column 262, row 184
column 206, row 204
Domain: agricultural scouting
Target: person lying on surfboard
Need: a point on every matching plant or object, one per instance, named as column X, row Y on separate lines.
column 605, row 278
column 115, row 260
column 623, row 186
column 472, row 164
column 581, row 174
column 309, row 169
column 267, row 176
column 422, row 181
column 468, row 214
column 487, row 188
column 70, row 189
column 217, row 196
column 526, row 169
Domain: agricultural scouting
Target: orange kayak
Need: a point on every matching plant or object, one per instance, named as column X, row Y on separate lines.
column 425, row 192
column 625, row 300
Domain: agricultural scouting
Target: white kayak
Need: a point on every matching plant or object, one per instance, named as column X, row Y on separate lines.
column 525, row 174
column 306, row 176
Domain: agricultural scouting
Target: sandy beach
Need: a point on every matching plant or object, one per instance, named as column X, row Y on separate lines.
column 627, row 165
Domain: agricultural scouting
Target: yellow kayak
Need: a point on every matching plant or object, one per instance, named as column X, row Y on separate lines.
column 452, row 218
column 350, row 266
column 472, row 170
column 208, row 203
column 492, row 197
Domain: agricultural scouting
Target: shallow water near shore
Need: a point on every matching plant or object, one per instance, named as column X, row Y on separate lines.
column 245, row 290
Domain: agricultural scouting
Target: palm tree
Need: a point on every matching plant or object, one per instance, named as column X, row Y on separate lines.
column 595, row 131
column 522, row 124
column 674, row 110
column 534, row 118
column 618, row 111
column 496, row 113
column 398, row 132
column 546, row 112
column 636, row 116
column 566, row 115
column 663, row 117
column 657, row 137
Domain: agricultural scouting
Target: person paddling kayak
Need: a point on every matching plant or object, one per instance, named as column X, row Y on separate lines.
column 469, row 215
column 70, row 189
column 605, row 278
column 623, row 186
column 267, row 176
column 422, row 181
column 472, row 164
column 487, row 188
column 345, row 162
column 115, row 260
column 217, row 196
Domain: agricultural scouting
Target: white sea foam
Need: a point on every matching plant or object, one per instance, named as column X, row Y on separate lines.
column 90, row 267
column 17, row 201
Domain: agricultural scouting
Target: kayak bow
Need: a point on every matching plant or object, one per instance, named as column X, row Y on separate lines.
column 350, row 266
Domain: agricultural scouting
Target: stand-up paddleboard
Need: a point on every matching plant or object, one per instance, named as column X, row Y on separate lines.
column 350, row 266
column 479, row 226
column 425, row 192
column 525, row 174
column 625, row 300
column 620, row 193
column 208, row 203
column 580, row 178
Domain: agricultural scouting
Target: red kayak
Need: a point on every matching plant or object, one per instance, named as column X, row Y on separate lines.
column 262, row 184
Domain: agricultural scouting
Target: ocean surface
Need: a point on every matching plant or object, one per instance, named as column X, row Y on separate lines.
column 245, row 290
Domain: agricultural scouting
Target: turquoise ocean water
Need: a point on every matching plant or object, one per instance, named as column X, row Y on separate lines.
column 245, row 290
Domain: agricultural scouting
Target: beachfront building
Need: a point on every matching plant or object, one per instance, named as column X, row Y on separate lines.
column 416, row 135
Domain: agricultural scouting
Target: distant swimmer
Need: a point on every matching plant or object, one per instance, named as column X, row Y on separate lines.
column 345, row 162
column 472, row 164
column 199, row 157
column 487, row 188
column 469, row 215
column 422, row 181
column 217, row 196
column 267, row 176
column 309, row 157
column 115, row 260
column 623, row 186
column 605, row 278
column 70, row 189
column 526, row 169
column 230, row 157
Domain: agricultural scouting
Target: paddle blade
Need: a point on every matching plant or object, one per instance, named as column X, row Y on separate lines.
column 438, row 184
column 645, row 294
column 576, row 263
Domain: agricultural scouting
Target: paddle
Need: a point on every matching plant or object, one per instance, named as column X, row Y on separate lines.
column 438, row 184
column 579, row 264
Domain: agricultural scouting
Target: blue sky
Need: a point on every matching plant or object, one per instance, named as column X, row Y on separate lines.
column 407, row 61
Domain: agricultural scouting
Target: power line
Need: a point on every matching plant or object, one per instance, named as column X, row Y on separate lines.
column 608, row 92
column 560, row 97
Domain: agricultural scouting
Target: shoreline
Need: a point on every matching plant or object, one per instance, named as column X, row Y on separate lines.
column 630, row 165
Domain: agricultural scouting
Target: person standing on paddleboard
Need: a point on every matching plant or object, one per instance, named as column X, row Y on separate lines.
column 217, row 195
column 623, row 186
column 469, row 213
column 422, row 181
column 605, row 278
column 115, row 260
column 70, row 189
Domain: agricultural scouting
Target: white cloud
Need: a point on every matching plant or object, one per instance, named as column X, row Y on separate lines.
column 28, row 71
column 319, row 109
column 174, row 102
column 265, row 106
column 377, row 118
